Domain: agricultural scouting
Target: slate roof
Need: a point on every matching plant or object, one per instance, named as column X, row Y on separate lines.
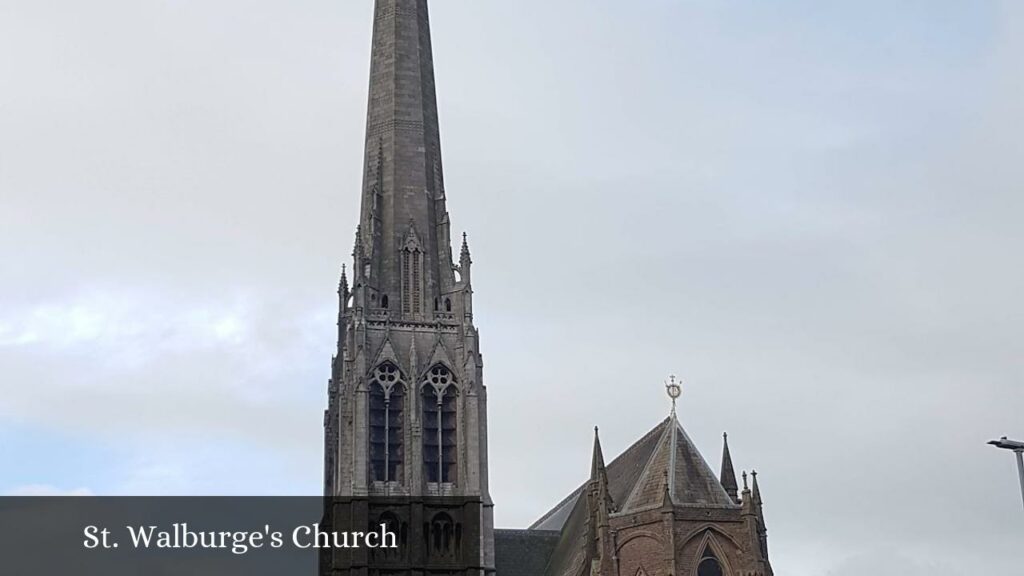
column 690, row 480
column 523, row 552
column 694, row 482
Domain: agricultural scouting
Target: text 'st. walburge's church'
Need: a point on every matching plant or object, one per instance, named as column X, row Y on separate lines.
column 406, row 424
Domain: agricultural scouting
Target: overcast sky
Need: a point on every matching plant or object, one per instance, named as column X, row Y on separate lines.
column 810, row 211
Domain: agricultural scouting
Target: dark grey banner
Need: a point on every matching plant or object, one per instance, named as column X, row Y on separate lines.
column 196, row 536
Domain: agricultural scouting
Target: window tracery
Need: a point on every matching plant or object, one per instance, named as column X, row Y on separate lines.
column 440, row 426
column 387, row 409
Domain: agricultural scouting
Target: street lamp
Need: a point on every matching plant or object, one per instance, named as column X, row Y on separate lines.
column 1018, row 448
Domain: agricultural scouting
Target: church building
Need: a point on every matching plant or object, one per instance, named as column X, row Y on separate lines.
column 406, row 423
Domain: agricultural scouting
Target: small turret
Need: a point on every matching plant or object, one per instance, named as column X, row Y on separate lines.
column 343, row 298
column 755, row 511
column 756, row 491
column 358, row 255
column 599, row 478
column 343, row 287
column 747, row 500
column 600, row 508
column 728, row 475
column 465, row 261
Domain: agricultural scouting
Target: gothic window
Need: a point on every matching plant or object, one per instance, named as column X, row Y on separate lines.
column 709, row 565
column 387, row 407
column 447, row 304
column 384, row 301
column 443, row 537
column 395, row 526
column 412, row 281
column 440, row 440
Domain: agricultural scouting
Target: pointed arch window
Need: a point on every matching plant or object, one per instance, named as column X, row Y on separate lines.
column 443, row 536
column 387, row 410
column 440, row 426
column 709, row 564
column 394, row 525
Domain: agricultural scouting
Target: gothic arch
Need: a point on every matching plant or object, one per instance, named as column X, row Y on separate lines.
column 636, row 535
column 443, row 536
column 398, row 527
column 641, row 551
column 703, row 530
column 387, row 404
column 440, row 418
column 710, row 549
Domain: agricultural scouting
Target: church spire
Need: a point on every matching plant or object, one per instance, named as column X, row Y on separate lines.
column 728, row 475
column 407, row 326
column 403, row 211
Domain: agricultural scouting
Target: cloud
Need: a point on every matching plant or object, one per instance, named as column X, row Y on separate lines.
column 46, row 490
column 885, row 562
column 118, row 363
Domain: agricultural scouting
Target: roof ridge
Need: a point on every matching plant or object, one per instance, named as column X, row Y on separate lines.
column 575, row 494
column 645, row 437
column 715, row 483
column 647, row 468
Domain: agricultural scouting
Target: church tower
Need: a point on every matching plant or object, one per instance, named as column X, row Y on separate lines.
column 406, row 424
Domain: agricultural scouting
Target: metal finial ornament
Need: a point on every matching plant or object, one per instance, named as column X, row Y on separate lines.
column 674, row 389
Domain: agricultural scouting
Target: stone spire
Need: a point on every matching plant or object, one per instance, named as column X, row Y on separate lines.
column 728, row 475
column 403, row 201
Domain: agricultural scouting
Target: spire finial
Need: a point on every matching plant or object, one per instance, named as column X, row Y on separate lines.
column 745, row 486
column 674, row 389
